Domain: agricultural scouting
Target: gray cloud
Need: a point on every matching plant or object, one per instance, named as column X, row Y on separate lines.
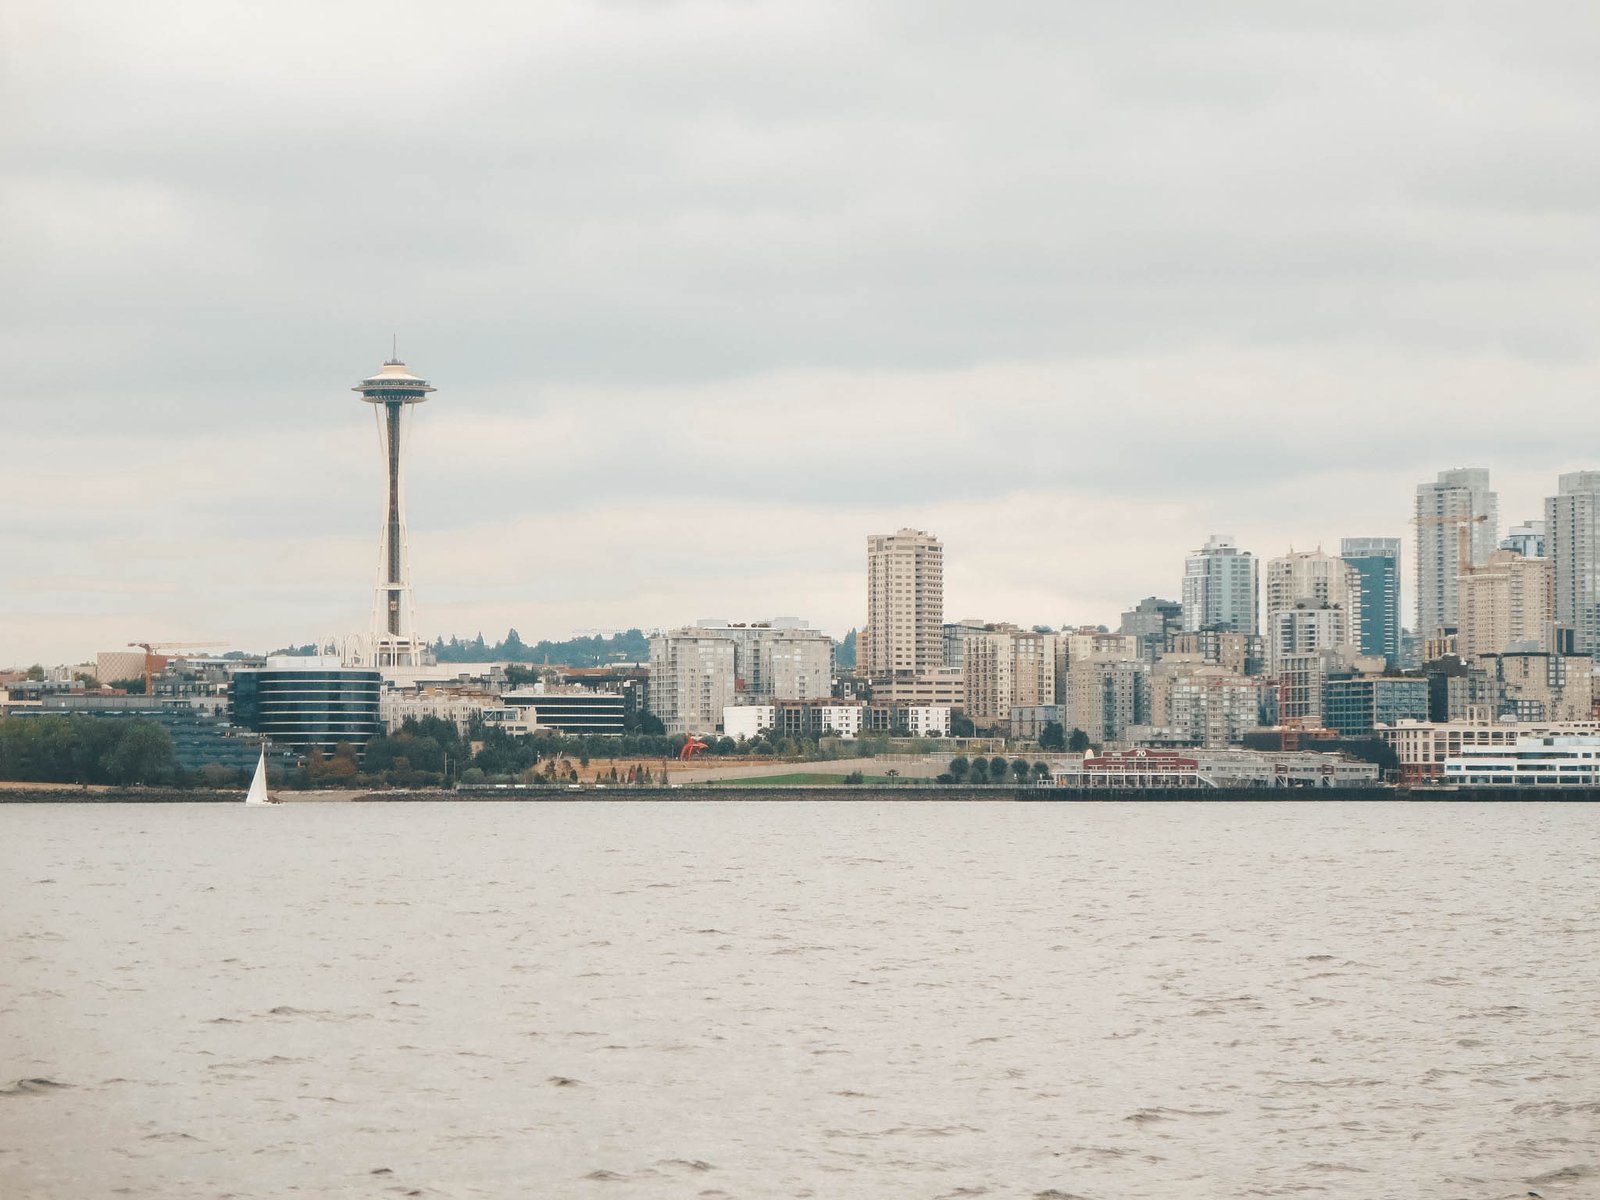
column 858, row 260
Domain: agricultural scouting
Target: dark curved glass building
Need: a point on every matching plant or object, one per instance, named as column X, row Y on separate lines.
column 306, row 702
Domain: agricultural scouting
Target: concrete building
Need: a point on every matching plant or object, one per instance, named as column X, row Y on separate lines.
column 1105, row 698
column 457, row 705
column 1206, row 704
column 1220, row 588
column 1457, row 504
column 1312, row 578
column 1082, row 645
column 1005, row 668
column 780, row 659
column 1535, row 686
column 691, row 679
column 847, row 720
column 1508, row 601
column 904, row 633
column 1300, row 678
column 1307, row 627
column 1376, row 561
column 1152, row 621
column 1240, row 653
column 1572, row 540
column 1313, row 603
column 934, row 689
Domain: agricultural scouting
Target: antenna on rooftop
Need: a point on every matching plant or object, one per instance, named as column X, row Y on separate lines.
column 394, row 356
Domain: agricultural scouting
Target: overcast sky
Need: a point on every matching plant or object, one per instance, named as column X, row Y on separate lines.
column 713, row 289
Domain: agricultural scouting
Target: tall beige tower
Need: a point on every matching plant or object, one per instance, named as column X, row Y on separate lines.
column 904, row 634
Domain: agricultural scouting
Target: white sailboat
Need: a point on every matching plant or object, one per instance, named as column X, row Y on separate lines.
column 258, row 785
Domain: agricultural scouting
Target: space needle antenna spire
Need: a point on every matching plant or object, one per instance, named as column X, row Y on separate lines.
column 393, row 641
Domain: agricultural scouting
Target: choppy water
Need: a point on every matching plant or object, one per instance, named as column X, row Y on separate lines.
column 791, row 999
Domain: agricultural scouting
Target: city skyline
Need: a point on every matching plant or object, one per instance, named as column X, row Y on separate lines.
column 793, row 603
column 717, row 290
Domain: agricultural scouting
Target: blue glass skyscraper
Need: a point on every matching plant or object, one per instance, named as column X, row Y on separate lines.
column 1377, row 562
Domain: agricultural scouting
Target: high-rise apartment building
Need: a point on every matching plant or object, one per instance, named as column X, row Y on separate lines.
column 1106, row 698
column 904, row 634
column 1458, row 526
column 1572, row 540
column 1377, row 565
column 1507, row 604
column 691, row 679
column 1313, row 603
column 780, row 659
column 1006, row 668
column 1303, row 576
column 1220, row 587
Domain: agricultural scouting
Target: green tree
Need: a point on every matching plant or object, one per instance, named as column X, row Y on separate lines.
column 1041, row 771
column 143, row 754
column 1052, row 736
column 998, row 768
column 959, row 766
column 980, row 770
column 1078, row 742
column 1020, row 768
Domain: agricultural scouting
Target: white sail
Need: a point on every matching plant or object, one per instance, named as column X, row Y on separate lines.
column 258, row 785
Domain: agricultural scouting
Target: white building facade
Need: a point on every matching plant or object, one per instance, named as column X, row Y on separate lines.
column 1220, row 587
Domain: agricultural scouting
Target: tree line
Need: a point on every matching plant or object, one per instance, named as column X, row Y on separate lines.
column 71, row 749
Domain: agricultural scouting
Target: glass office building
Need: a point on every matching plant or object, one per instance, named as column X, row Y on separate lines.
column 1355, row 707
column 306, row 702
column 1377, row 563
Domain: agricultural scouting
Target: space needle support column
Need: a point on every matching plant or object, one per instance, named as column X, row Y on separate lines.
column 394, row 640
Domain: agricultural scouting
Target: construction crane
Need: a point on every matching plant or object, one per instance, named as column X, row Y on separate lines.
column 150, row 648
column 1463, row 524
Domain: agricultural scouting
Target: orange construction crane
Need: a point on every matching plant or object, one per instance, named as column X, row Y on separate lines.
column 150, row 648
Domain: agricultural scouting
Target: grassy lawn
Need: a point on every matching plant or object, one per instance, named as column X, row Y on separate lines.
column 778, row 780
column 799, row 777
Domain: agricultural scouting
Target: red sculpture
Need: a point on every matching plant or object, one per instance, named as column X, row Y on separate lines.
column 691, row 746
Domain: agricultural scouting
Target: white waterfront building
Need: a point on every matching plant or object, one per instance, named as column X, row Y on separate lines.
column 1528, row 762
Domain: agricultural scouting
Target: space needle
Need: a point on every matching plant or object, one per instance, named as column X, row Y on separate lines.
column 394, row 641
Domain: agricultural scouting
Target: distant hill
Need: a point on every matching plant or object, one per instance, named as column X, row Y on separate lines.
column 631, row 646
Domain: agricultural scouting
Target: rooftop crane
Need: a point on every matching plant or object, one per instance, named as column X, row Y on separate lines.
column 1463, row 524
column 150, row 648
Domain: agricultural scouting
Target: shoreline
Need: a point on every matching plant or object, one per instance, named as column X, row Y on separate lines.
column 726, row 793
